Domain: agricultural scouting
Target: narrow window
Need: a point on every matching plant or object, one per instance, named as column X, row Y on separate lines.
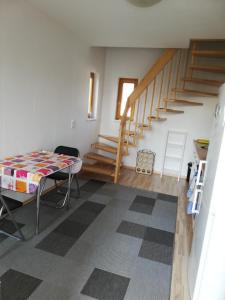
column 91, row 96
column 125, row 88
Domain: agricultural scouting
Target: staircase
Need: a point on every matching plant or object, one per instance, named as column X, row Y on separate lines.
column 176, row 75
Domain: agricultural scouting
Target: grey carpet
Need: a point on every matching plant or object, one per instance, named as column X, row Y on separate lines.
column 114, row 243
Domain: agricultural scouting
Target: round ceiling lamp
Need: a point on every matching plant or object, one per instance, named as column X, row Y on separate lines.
column 143, row 3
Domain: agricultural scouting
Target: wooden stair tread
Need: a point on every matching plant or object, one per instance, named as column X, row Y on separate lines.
column 104, row 147
column 170, row 110
column 205, row 81
column 211, row 53
column 212, row 68
column 114, row 139
column 130, row 133
column 144, row 126
column 100, row 158
column 158, row 119
column 183, row 102
column 109, row 138
column 194, row 92
column 98, row 169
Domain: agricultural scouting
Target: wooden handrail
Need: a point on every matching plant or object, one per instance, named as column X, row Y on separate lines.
column 148, row 78
column 144, row 83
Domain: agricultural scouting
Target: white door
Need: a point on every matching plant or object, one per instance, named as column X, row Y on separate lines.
column 206, row 255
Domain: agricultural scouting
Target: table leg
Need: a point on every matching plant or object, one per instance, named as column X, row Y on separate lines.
column 69, row 188
column 38, row 207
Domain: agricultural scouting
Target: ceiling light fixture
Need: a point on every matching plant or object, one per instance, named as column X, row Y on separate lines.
column 143, row 3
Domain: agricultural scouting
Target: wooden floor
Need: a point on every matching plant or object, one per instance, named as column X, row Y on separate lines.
column 183, row 236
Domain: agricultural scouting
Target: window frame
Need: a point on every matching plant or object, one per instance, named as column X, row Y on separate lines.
column 91, row 97
column 121, row 82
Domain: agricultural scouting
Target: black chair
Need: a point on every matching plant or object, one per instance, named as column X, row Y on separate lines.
column 7, row 205
column 62, row 176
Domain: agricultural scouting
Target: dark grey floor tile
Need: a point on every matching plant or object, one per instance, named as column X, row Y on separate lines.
column 72, row 229
column 132, row 229
column 156, row 252
column 92, row 207
column 168, row 198
column 56, row 243
column 82, row 216
column 52, row 196
column 104, row 285
column 159, row 236
column 141, row 208
column 92, row 186
column 8, row 226
column 18, row 286
column 144, row 200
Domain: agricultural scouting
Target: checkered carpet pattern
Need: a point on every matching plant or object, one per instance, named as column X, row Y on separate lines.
column 115, row 243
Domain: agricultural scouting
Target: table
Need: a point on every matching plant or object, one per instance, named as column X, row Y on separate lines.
column 25, row 173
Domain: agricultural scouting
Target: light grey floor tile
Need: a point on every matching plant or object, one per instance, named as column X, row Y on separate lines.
column 167, row 224
column 119, row 192
column 104, row 225
column 70, row 274
column 105, row 285
column 83, row 252
column 52, row 292
column 165, row 209
column 118, row 254
column 151, row 281
column 99, row 198
column 31, row 261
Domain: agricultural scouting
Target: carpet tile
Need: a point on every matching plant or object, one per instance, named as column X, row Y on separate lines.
column 63, row 237
column 104, row 285
column 114, row 243
column 132, row 229
column 9, row 227
column 17, row 286
column 156, row 252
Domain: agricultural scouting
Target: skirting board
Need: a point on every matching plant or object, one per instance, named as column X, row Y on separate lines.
column 154, row 172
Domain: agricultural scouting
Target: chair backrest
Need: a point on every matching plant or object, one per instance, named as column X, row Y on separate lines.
column 67, row 151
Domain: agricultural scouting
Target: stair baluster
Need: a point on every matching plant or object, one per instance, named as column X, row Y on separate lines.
column 169, row 81
column 160, row 93
column 152, row 103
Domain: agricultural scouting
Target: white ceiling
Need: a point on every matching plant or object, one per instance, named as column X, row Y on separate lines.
column 116, row 23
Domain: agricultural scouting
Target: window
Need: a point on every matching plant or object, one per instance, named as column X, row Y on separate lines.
column 91, row 96
column 125, row 88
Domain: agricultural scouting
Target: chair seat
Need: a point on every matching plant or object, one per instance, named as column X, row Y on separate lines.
column 11, row 203
column 59, row 176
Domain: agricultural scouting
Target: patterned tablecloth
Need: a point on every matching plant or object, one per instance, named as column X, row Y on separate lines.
column 22, row 173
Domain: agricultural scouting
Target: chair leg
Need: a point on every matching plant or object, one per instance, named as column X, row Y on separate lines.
column 14, row 222
column 78, row 187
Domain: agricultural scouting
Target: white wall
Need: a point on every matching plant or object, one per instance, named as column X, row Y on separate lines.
column 44, row 82
column 135, row 63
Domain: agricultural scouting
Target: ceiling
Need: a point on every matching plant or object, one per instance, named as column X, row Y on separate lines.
column 117, row 23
